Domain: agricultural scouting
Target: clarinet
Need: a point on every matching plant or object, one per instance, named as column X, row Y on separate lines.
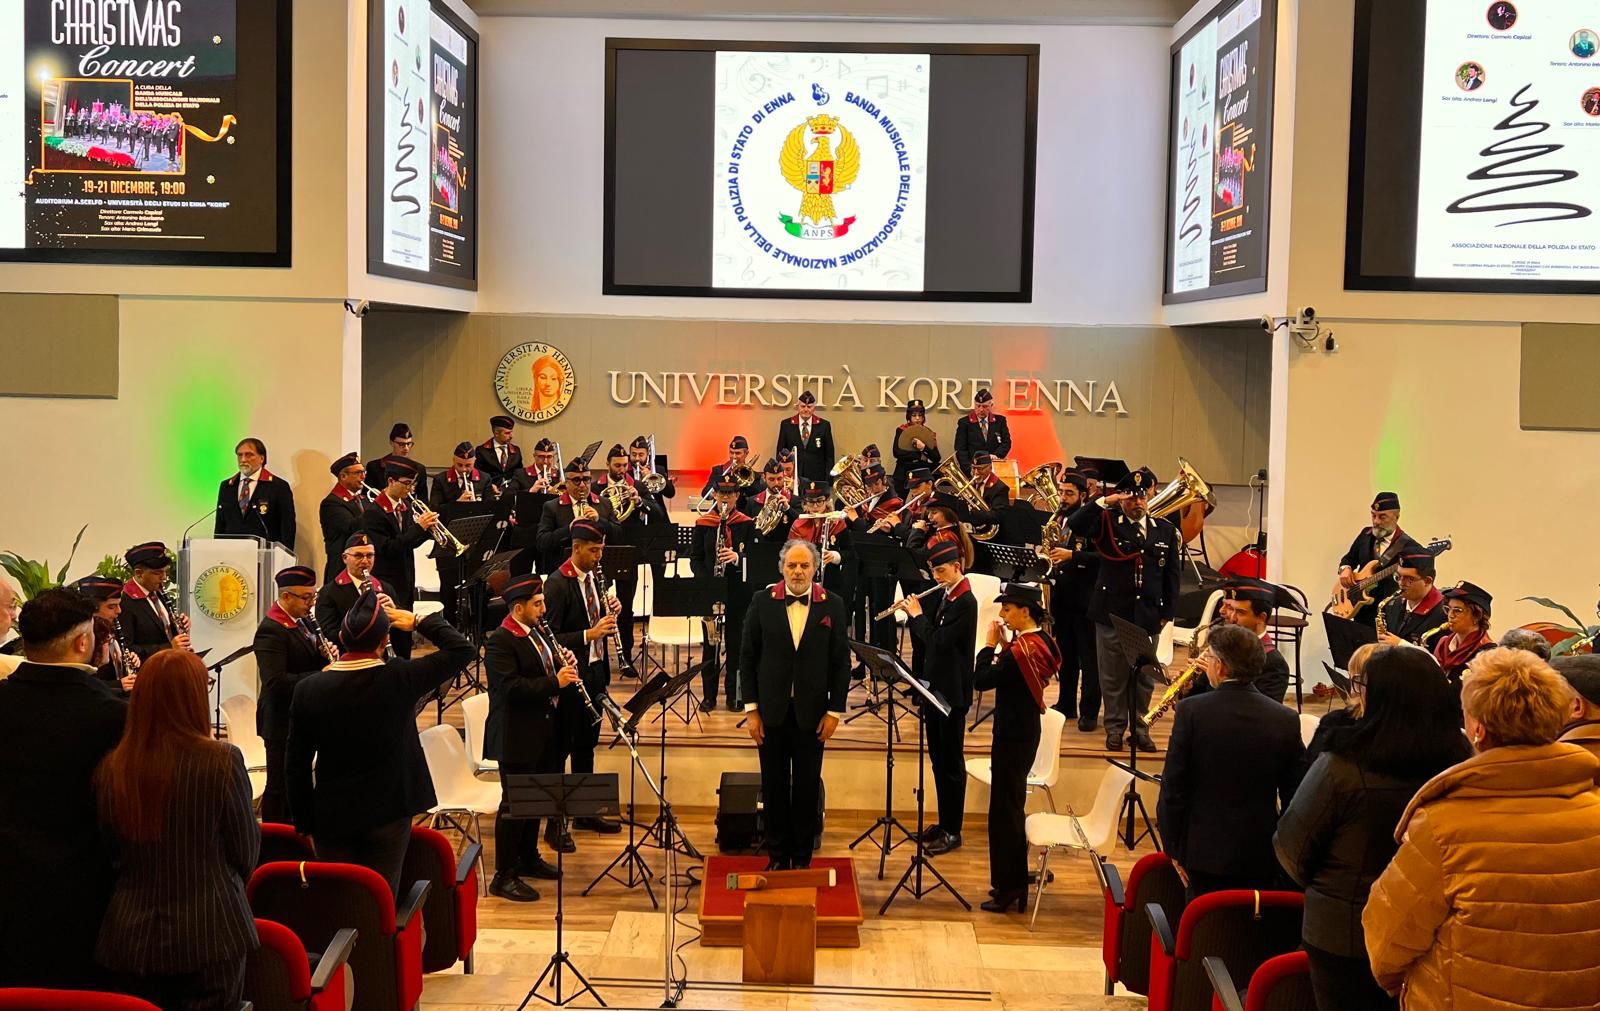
column 127, row 661
column 178, row 620
column 328, row 649
column 623, row 664
column 569, row 660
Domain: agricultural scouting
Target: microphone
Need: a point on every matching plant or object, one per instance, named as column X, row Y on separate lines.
column 203, row 518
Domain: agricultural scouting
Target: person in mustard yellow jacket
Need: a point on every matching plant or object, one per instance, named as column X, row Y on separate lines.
column 1490, row 901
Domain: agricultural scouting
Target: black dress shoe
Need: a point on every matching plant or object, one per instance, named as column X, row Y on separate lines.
column 604, row 826
column 931, row 833
column 1087, row 724
column 1003, row 901
column 559, row 839
column 859, row 672
column 708, row 704
column 777, row 864
column 944, row 844
column 1070, row 712
column 1142, row 741
column 1113, row 741
column 509, row 886
column 539, row 867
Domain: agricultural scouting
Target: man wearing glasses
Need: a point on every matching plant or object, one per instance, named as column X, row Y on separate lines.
column 288, row 648
column 396, row 532
column 1417, row 612
column 401, row 445
column 554, row 539
column 355, row 578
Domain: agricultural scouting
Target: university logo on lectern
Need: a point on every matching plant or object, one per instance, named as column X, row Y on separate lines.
column 221, row 593
column 534, row 381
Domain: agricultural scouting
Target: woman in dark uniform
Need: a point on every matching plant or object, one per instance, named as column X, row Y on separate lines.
column 912, row 456
column 1466, row 632
column 1017, row 673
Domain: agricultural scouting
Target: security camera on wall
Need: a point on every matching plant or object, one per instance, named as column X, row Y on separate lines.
column 1307, row 316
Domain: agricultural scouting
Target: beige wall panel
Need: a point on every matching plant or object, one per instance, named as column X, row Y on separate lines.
column 58, row 346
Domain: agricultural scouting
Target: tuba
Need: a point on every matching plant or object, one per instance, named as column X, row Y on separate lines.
column 847, row 482
column 1042, row 486
column 1188, row 496
column 773, row 511
column 966, row 489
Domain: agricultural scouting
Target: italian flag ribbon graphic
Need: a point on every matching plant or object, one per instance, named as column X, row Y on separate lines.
column 794, row 227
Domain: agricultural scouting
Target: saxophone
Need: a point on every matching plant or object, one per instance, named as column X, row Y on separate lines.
column 1382, row 625
column 1176, row 688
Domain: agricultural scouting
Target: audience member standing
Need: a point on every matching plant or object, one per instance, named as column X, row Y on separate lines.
column 1234, row 758
column 1582, row 672
column 56, row 721
column 1337, row 835
column 178, row 815
column 1490, row 901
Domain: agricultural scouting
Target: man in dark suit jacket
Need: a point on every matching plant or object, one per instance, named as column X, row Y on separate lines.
column 949, row 638
column 58, row 721
column 499, row 458
column 254, row 501
column 738, row 457
column 356, row 722
column 339, row 594
column 339, row 513
column 1139, row 559
column 401, row 445
column 553, row 542
column 1249, row 605
column 721, row 538
column 526, row 673
column 1075, row 570
column 982, row 431
column 795, row 673
column 148, row 624
column 288, row 650
column 396, row 534
column 1382, row 542
column 1233, row 764
column 811, row 439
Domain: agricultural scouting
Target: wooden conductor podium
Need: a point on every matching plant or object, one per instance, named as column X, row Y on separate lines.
column 780, row 936
column 780, row 917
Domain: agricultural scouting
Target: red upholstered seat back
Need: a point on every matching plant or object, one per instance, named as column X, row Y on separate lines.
column 1126, row 944
column 1242, row 928
column 282, row 842
column 277, row 974
column 450, row 912
column 31, row 999
column 1282, row 984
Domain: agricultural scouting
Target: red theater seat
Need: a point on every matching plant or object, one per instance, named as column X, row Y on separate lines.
column 316, row 900
column 282, row 842
column 1281, row 984
column 450, row 915
column 30, row 999
column 1241, row 928
column 279, row 975
column 1125, row 938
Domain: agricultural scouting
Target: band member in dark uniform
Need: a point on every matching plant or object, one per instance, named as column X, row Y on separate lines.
column 340, row 511
column 996, row 493
column 541, row 475
column 879, row 515
column 1017, row 673
column 150, row 621
column 1074, row 571
column 738, row 461
column 463, row 482
column 776, row 488
column 831, row 537
column 982, row 431
column 499, row 459
column 940, row 518
column 355, row 577
column 1416, row 614
column 576, row 602
column 554, row 538
column 646, row 509
column 289, row 648
column 720, row 539
column 396, row 534
column 917, row 454
column 401, row 445
column 254, row 501
column 1381, row 542
column 119, row 668
column 1466, row 609
column 794, row 697
column 355, row 722
column 1249, row 605
column 1139, row 559
column 526, row 672
column 948, row 636
column 810, row 437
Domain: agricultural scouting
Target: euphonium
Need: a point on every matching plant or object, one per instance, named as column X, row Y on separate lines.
column 966, row 489
column 1042, row 485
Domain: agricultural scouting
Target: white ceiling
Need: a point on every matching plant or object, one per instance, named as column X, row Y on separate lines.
column 1116, row 12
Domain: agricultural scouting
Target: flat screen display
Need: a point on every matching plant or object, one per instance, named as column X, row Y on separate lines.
column 821, row 171
column 422, row 148
column 1475, row 146
column 1220, row 153
column 154, row 131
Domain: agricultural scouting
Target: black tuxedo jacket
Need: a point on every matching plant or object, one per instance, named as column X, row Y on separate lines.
column 949, row 631
column 142, row 627
column 447, row 488
column 395, row 537
column 487, row 458
column 55, row 868
column 1145, row 594
column 522, row 693
column 377, row 480
column 285, row 656
column 813, row 679
column 271, row 511
column 553, row 541
column 1233, row 764
column 334, row 601
column 814, row 456
column 970, row 440
column 567, row 616
column 357, row 721
column 340, row 516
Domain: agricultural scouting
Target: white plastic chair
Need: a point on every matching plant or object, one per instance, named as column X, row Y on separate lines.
column 239, row 715
column 984, row 589
column 475, row 717
column 427, row 581
column 1046, row 760
column 1308, row 727
column 1185, row 636
column 457, row 790
column 1094, row 831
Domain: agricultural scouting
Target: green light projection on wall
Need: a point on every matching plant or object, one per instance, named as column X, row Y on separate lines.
column 1395, row 454
column 205, row 413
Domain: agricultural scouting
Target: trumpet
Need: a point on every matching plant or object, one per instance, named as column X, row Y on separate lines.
column 441, row 533
column 900, row 605
column 570, row 660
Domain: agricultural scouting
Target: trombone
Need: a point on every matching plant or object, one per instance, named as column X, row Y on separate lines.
column 441, row 533
column 653, row 483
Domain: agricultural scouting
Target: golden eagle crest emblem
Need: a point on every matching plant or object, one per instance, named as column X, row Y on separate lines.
column 820, row 173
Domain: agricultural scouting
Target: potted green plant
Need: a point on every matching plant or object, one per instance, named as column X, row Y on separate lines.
column 34, row 577
column 1563, row 639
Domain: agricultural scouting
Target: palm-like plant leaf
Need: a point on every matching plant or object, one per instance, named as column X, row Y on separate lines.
column 1547, row 602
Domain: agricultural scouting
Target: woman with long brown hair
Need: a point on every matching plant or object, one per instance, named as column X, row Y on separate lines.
column 184, row 839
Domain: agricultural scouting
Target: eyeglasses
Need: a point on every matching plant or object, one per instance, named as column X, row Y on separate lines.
column 1456, row 612
column 1407, row 580
column 308, row 595
column 407, row 443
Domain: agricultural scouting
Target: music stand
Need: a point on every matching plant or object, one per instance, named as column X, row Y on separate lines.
column 1340, row 679
column 216, row 676
column 706, row 598
column 891, row 665
column 881, row 557
column 1139, row 653
column 659, row 546
column 1345, row 637
column 665, row 831
column 581, row 795
column 872, row 656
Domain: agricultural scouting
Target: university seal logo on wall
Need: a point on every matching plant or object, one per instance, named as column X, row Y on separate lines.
column 221, row 593
column 534, row 382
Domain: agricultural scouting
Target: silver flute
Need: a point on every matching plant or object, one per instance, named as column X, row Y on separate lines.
column 569, row 660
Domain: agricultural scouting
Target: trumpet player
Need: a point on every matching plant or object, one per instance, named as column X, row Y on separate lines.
column 720, row 539
column 774, row 501
column 355, row 578
column 463, row 482
column 948, row 636
column 541, row 477
column 339, row 513
column 554, row 537
column 499, row 457
column 288, row 649
column 396, row 532
column 150, row 623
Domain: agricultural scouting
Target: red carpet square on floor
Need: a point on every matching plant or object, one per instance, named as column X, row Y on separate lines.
column 722, row 911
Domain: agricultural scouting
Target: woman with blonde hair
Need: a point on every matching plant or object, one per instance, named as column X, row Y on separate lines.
column 1490, row 900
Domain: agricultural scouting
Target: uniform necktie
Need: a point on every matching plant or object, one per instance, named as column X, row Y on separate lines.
column 502, row 451
column 244, row 494
column 805, row 431
column 983, row 426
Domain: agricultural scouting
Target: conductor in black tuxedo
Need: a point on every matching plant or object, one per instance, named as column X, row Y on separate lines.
column 794, row 670
column 810, row 437
column 288, row 650
column 1233, row 764
column 255, row 501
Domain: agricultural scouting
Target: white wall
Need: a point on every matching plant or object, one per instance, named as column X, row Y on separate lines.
column 1098, row 214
